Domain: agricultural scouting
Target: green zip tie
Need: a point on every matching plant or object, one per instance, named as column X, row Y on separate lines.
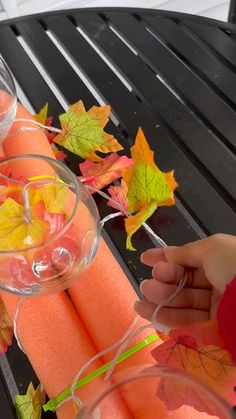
column 53, row 403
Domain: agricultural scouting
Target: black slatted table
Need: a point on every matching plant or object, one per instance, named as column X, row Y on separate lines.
column 172, row 74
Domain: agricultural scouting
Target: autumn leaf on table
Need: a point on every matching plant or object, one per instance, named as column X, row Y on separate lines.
column 104, row 172
column 83, row 133
column 210, row 364
column 29, row 406
column 119, row 194
column 43, row 118
column 16, row 232
column 148, row 187
column 42, row 115
column 59, row 154
column 6, row 329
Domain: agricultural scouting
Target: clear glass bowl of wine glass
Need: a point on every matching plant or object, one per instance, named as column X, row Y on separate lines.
column 49, row 225
column 155, row 392
column 8, row 100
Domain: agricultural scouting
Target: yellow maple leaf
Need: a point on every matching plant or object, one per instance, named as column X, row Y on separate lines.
column 16, row 232
column 29, row 405
column 41, row 117
column 148, row 186
column 53, row 195
column 83, row 134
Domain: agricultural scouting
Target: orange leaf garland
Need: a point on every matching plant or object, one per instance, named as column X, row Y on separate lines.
column 104, row 172
column 6, row 329
column 83, row 134
column 148, row 186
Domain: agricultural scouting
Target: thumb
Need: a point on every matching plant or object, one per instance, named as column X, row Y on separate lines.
column 191, row 254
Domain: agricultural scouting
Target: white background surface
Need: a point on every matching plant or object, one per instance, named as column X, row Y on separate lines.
column 217, row 9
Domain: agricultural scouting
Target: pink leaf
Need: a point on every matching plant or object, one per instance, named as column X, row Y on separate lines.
column 104, row 172
column 119, row 194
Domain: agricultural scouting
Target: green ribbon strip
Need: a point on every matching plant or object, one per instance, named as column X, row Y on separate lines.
column 55, row 401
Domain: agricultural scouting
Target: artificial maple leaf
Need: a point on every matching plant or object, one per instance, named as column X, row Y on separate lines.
column 209, row 364
column 59, row 154
column 15, row 231
column 29, row 405
column 6, row 329
column 119, row 194
column 205, row 333
column 148, row 186
column 103, row 173
column 53, row 195
column 83, row 134
column 41, row 117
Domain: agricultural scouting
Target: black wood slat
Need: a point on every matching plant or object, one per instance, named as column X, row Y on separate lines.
column 155, row 93
column 25, row 72
column 216, row 38
column 55, row 64
column 232, row 11
column 7, row 410
column 96, row 71
column 196, row 55
column 207, row 103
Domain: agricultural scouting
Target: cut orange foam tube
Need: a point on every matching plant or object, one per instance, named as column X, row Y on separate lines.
column 57, row 345
column 20, row 142
column 104, row 299
column 105, row 288
column 56, row 356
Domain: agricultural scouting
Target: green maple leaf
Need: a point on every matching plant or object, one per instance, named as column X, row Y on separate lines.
column 148, row 187
column 83, row 133
column 29, row 405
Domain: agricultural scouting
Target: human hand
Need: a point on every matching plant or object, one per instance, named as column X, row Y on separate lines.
column 211, row 265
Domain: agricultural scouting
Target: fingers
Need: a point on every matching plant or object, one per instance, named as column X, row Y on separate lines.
column 156, row 292
column 171, row 317
column 168, row 272
column 152, row 256
column 145, row 309
column 191, row 254
column 172, row 273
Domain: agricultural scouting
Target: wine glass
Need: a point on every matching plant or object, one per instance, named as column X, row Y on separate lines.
column 157, row 392
column 49, row 225
column 8, row 100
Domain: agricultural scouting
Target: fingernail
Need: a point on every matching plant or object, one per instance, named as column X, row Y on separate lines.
column 142, row 283
column 141, row 256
